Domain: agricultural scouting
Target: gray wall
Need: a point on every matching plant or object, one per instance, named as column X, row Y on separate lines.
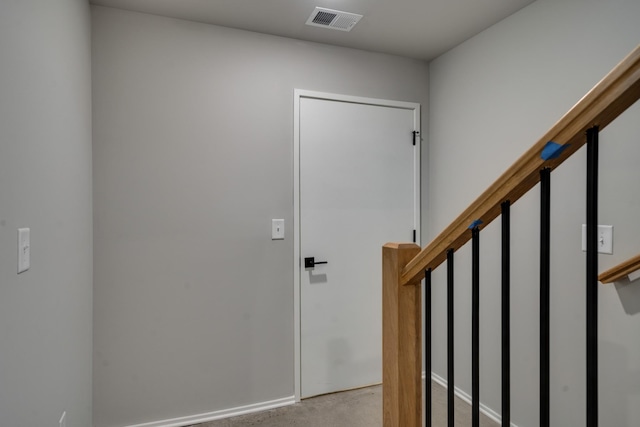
column 491, row 98
column 45, row 184
column 193, row 156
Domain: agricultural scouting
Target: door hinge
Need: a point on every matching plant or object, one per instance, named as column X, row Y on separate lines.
column 416, row 133
column 414, row 236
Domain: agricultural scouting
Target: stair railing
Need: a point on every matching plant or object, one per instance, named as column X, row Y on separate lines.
column 405, row 265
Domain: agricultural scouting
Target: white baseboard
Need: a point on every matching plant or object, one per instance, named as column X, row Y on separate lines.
column 493, row 415
column 217, row 415
column 286, row 401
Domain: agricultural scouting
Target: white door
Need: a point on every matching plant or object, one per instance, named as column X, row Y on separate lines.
column 358, row 190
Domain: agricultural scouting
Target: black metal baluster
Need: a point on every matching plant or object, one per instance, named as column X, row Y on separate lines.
column 450, row 360
column 427, row 347
column 545, row 241
column 475, row 326
column 592, row 277
column 506, row 316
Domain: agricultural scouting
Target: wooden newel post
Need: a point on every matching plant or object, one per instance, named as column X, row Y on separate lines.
column 401, row 340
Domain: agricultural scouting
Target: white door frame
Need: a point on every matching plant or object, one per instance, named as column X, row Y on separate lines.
column 298, row 95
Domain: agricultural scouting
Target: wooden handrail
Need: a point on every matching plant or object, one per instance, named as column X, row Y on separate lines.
column 620, row 270
column 616, row 92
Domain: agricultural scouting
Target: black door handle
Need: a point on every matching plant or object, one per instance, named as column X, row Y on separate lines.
column 311, row 262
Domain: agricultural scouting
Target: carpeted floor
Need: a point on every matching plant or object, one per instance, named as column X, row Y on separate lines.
column 355, row 408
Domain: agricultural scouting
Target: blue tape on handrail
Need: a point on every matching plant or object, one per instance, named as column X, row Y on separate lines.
column 552, row 150
column 475, row 224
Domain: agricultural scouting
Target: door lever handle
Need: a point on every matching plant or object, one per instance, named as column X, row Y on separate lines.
column 311, row 262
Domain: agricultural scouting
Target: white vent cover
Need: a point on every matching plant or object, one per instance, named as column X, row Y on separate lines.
column 333, row 19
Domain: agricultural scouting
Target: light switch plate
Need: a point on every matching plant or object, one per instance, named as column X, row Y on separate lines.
column 634, row 276
column 277, row 229
column 24, row 249
column 605, row 239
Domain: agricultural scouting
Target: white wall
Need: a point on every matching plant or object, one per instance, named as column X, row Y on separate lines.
column 45, row 184
column 193, row 156
column 491, row 98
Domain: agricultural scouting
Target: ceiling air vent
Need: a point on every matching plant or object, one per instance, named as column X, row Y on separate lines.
column 333, row 19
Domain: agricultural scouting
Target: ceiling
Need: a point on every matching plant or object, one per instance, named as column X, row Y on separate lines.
column 420, row 29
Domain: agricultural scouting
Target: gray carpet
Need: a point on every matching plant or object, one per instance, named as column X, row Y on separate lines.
column 355, row 408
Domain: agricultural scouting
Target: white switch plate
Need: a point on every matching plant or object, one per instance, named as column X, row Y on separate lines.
column 634, row 276
column 605, row 239
column 24, row 250
column 277, row 229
